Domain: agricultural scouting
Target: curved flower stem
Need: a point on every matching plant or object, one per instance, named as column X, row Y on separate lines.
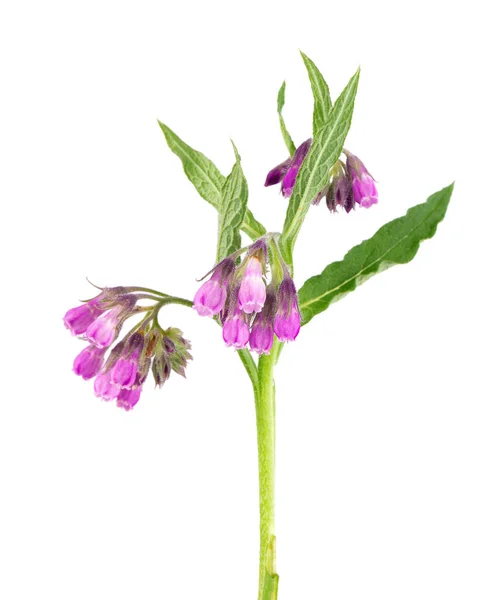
column 265, row 413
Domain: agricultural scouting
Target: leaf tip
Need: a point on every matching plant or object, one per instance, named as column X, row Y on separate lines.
column 236, row 153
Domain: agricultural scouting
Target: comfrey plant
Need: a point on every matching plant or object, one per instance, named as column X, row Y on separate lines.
column 250, row 291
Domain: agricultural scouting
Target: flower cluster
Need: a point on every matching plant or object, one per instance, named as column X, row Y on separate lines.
column 250, row 310
column 350, row 183
column 147, row 346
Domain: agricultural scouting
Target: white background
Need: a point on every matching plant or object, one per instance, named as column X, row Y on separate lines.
column 386, row 412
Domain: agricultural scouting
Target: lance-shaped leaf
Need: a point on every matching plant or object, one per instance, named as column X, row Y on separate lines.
column 232, row 210
column 395, row 243
column 281, row 99
column 322, row 104
column 314, row 172
column 206, row 178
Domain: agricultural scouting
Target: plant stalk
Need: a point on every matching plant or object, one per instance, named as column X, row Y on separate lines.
column 265, row 414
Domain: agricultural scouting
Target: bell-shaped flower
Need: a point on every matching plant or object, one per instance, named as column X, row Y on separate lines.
column 252, row 291
column 89, row 362
column 287, row 319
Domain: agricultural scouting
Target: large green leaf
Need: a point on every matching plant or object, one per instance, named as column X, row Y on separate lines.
column 314, row 173
column 395, row 243
column 322, row 104
column 206, row 178
column 232, row 210
column 281, row 98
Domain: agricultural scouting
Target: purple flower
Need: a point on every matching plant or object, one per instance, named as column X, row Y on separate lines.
column 362, row 182
column 288, row 170
column 209, row 300
column 252, row 291
column 262, row 330
column 340, row 192
column 235, row 330
column 78, row 319
column 89, row 362
column 104, row 388
column 128, row 398
column 277, row 174
column 287, row 319
column 261, row 336
column 124, row 372
column 102, row 331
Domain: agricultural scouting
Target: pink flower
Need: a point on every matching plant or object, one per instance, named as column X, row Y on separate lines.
column 362, row 182
column 102, row 332
column 127, row 399
column 124, row 371
column 89, row 362
column 104, row 388
column 209, row 300
column 252, row 291
column 287, row 319
column 235, row 330
column 261, row 337
column 78, row 319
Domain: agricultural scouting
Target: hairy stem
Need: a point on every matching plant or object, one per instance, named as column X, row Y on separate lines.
column 265, row 413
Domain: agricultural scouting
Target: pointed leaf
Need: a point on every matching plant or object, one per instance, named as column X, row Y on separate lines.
column 395, row 243
column 281, row 98
column 314, row 172
column 232, row 210
column 206, row 178
column 322, row 104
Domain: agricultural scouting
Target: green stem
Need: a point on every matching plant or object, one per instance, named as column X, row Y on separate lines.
column 265, row 412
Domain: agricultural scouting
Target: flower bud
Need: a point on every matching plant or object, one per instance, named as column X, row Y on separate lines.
column 276, row 175
column 294, row 167
column 340, row 193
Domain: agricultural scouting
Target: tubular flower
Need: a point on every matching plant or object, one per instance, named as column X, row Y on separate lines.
column 349, row 184
column 262, row 331
column 287, row 320
column 288, row 170
column 362, row 182
column 236, row 331
column 252, row 290
column 122, row 375
column 89, row 362
column 78, row 319
column 209, row 300
column 252, row 309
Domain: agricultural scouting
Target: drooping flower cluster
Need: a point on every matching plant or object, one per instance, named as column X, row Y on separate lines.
column 350, row 183
column 121, row 376
column 250, row 310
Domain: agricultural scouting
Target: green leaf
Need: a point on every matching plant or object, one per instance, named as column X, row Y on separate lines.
column 322, row 104
column 281, row 98
column 232, row 210
column 206, row 178
column 395, row 243
column 314, row 172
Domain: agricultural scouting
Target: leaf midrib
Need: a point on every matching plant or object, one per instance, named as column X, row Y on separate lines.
column 316, row 299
